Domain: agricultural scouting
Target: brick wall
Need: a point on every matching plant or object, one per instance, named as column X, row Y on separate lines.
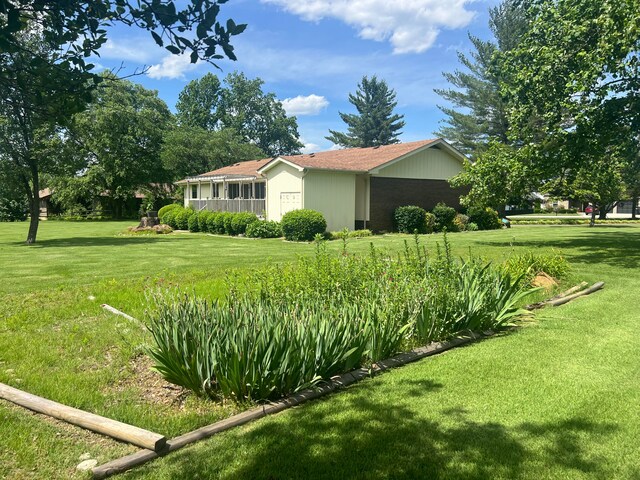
column 389, row 193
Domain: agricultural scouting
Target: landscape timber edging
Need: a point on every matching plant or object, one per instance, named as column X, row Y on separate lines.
column 141, row 457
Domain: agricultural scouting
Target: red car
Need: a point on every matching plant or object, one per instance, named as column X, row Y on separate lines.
column 589, row 210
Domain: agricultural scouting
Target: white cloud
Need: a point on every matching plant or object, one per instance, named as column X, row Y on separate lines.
column 117, row 51
column 410, row 25
column 309, row 147
column 172, row 66
column 309, row 105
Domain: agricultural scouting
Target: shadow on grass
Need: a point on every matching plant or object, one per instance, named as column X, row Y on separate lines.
column 364, row 437
column 96, row 241
column 620, row 248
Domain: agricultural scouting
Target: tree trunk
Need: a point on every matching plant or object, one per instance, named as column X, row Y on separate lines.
column 592, row 222
column 603, row 213
column 34, row 207
column 634, row 205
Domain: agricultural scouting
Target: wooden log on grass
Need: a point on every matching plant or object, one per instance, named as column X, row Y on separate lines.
column 96, row 423
column 561, row 301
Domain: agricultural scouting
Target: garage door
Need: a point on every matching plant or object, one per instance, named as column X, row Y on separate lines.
column 289, row 201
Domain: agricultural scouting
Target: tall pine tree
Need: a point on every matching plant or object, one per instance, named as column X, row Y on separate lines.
column 375, row 123
column 478, row 113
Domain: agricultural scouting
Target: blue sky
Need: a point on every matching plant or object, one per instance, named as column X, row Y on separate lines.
column 312, row 54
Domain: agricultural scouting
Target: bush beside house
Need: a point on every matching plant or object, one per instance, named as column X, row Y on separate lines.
column 303, row 225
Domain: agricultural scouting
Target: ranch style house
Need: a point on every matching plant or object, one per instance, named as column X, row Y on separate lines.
column 353, row 188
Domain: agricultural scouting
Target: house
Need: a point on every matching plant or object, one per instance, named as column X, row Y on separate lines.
column 353, row 188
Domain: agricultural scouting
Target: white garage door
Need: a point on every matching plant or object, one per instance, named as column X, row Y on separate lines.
column 289, row 201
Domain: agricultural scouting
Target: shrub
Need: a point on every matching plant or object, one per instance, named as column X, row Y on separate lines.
column 472, row 227
column 169, row 217
column 430, row 222
column 193, row 222
column 346, row 233
column 212, row 219
column 182, row 218
column 527, row 265
column 485, row 218
column 227, row 220
column 444, row 218
column 220, row 221
column 461, row 221
column 168, row 208
column 203, row 219
column 264, row 229
column 303, row 225
column 241, row 221
column 410, row 218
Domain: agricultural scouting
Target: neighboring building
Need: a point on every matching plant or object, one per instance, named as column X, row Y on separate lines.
column 353, row 188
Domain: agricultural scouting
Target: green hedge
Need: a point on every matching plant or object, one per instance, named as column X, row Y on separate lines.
column 240, row 222
column 445, row 218
column 410, row 218
column 303, row 225
column 264, row 229
column 485, row 218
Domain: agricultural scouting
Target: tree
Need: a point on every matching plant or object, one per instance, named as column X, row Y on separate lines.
column 599, row 183
column 375, row 123
column 478, row 113
column 240, row 105
column 189, row 150
column 574, row 89
column 45, row 78
column 14, row 205
column 257, row 116
column 198, row 103
column 121, row 135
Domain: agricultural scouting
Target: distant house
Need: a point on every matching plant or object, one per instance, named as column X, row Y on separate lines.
column 353, row 188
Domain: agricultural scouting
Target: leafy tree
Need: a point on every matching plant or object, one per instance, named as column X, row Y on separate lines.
column 478, row 113
column 498, row 177
column 257, row 116
column 45, row 78
column 239, row 105
column 121, row 135
column 375, row 123
column 600, row 183
column 198, row 103
column 13, row 201
column 573, row 87
column 189, row 151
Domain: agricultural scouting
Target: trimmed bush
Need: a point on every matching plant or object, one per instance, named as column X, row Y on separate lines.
column 174, row 207
column 472, row 227
column 193, row 223
column 241, row 221
column 227, row 220
column 303, row 225
column 212, row 219
column 264, row 229
column 486, row 218
column 430, row 222
column 169, row 217
column 219, row 220
column 182, row 218
column 410, row 218
column 203, row 218
column 445, row 217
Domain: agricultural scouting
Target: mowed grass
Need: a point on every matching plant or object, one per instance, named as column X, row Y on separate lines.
column 556, row 399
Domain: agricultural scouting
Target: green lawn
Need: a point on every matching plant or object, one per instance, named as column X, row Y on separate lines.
column 556, row 399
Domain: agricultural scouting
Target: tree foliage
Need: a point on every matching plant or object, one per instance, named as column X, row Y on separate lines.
column 241, row 105
column 477, row 114
column 375, row 123
column 191, row 150
column 121, row 135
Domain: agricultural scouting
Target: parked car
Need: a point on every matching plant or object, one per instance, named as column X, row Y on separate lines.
column 589, row 210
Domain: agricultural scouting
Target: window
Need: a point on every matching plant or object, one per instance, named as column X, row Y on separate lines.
column 215, row 192
column 233, row 190
column 246, row 190
column 194, row 191
column 260, row 190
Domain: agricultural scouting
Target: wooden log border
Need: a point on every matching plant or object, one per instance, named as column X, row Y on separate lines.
column 90, row 421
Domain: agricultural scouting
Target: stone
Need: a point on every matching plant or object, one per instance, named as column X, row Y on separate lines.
column 543, row 280
column 84, row 456
column 149, row 222
column 87, row 465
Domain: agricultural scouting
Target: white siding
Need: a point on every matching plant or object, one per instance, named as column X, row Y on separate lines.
column 431, row 163
column 283, row 183
column 334, row 195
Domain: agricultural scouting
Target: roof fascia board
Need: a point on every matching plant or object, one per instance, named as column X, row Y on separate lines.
column 277, row 161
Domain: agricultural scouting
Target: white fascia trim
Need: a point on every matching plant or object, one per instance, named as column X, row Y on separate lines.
column 277, row 161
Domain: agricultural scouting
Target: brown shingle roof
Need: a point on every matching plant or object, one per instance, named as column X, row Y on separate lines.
column 356, row 159
column 349, row 159
column 248, row 168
